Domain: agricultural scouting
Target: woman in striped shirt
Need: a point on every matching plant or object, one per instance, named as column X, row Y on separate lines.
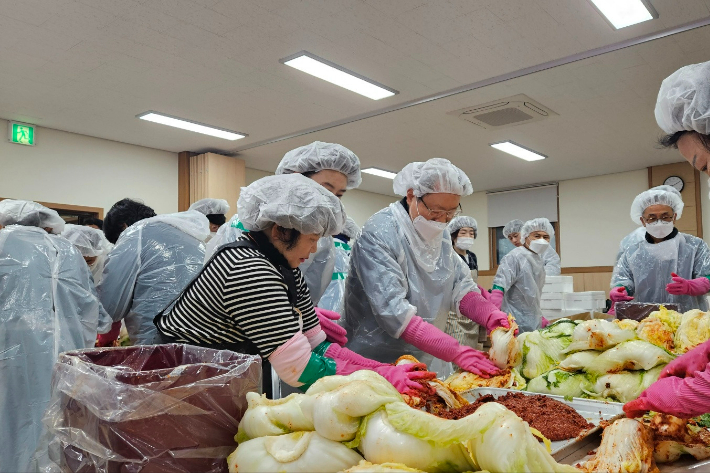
column 252, row 298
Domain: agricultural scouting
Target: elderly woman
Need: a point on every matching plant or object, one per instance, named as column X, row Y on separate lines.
column 517, row 286
column 92, row 244
column 252, row 298
column 666, row 266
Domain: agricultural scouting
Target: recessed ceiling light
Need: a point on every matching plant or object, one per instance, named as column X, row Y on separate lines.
column 518, row 151
column 623, row 13
column 380, row 172
column 335, row 74
column 190, row 125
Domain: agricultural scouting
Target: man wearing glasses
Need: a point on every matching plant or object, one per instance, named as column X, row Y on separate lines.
column 405, row 276
column 666, row 266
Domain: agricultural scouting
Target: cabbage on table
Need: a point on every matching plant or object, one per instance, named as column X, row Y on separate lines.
column 579, row 361
column 598, row 335
column 659, row 328
column 505, row 352
column 632, row 355
column 367, row 467
column 558, row 382
column 624, row 386
column 694, row 329
column 543, row 349
column 626, row 447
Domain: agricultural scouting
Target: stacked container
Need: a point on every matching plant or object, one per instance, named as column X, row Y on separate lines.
column 559, row 299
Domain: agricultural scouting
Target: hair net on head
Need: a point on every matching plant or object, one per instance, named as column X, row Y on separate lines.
column 514, row 226
column 536, row 225
column 291, row 201
column 435, row 176
column 351, row 229
column 318, row 156
column 684, row 100
column 89, row 241
column 656, row 196
column 463, row 221
column 210, row 206
column 30, row 214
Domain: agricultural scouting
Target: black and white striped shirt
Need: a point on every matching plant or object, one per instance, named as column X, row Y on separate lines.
column 240, row 296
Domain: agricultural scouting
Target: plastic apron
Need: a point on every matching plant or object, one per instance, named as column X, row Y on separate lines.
column 393, row 276
column 645, row 270
column 152, row 262
column 335, row 292
column 521, row 276
column 317, row 269
column 48, row 305
column 553, row 265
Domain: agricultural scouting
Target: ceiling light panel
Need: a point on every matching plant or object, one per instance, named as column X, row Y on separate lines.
column 181, row 123
column 518, row 151
column 623, row 13
column 335, row 74
column 380, row 172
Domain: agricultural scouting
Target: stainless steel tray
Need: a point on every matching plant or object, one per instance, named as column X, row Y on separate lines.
column 593, row 411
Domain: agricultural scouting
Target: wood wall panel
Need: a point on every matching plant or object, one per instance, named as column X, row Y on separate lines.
column 218, row 177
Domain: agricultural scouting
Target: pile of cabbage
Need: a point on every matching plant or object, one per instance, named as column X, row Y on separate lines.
column 607, row 360
column 359, row 423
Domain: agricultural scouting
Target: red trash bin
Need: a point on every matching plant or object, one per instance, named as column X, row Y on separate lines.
column 159, row 408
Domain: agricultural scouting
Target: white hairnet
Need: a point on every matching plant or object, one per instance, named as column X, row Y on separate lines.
column 89, row 241
column 435, row 176
column 30, row 214
column 514, row 226
column 351, row 228
column 536, row 225
column 291, row 201
column 667, row 189
column 656, row 196
column 318, row 156
column 463, row 221
column 210, row 206
column 684, row 100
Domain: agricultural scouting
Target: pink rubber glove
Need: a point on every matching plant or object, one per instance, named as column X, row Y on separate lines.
column 618, row 294
column 496, row 297
column 107, row 339
column 334, row 332
column 545, row 322
column 681, row 397
column 430, row 339
column 688, row 287
column 335, row 351
column 486, row 295
column 475, row 307
column 687, row 365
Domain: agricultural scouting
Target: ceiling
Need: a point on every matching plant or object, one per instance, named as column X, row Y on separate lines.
column 89, row 66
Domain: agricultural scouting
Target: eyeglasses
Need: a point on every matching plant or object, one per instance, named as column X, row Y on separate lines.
column 665, row 219
column 449, row 214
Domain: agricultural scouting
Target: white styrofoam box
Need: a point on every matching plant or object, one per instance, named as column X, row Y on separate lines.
column 559, row 284
column 552, row 301
column 584, row 301
column 551, row 314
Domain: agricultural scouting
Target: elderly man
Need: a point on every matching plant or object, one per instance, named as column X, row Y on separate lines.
column 405, row 276
column 666, row 266
column 550, row 258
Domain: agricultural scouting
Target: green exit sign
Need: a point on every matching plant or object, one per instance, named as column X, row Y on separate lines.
column 21, row 133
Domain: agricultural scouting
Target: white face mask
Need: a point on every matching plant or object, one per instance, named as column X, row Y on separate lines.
column 659, row 229
column 464, row 243
column 429, row 230
column 539, row 246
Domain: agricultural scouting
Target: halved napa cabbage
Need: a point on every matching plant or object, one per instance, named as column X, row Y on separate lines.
column 560, row 383
column 624, row 386
column 367, row 467
column 627, row 324
column 579, row 361
column 505, row 352
column 632, row 355
column 694, row 329
column 669, row 317
column 626, row 447
column 541, row 351
column 654, row 330
column 598, row 335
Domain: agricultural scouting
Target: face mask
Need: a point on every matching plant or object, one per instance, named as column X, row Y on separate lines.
column 539, row 246
column 659, row 229
column 464, row 243
column 429, row 230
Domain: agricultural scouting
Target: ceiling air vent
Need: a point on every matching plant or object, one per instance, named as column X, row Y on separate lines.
column 510, row 111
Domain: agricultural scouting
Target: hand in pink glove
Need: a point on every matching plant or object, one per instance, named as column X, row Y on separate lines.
column 107, row 339
column 496, row 297
column 486, row 295
column 618, row 294
column 684, row 398
column 337, row 352
column 483, row 312
column 334, row 333
column 687, row 365
column 430, row 339
column 545, row 322
column 408, row 379
column 688, row 287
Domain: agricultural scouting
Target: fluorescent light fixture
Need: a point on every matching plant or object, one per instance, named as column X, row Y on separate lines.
column 163, row 119
column 623, row 13
column 380, row 172
column 335, row 74
column 518, row 151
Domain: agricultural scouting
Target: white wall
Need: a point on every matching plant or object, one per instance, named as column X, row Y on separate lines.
column 476, row 206
column 68, row 168
column 594, row 216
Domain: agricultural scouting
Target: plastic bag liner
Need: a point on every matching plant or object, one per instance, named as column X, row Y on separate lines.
column 639, row 310
column 159, row 408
